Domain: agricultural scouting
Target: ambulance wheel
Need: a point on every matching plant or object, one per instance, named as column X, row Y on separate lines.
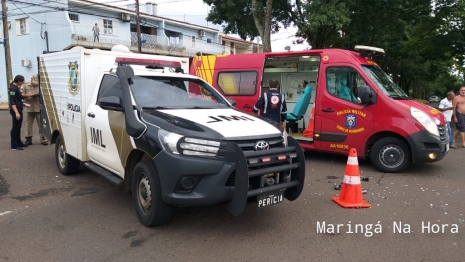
column 146, row 195
column 390, row 155
column 67, row 165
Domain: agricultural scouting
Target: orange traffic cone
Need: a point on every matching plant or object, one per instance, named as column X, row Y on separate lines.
column 309, row 131
column 351, row 190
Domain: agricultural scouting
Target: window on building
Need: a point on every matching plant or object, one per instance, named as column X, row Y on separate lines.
column 209, row 40
column 73, row 17
column 22, row 26
column 238, row 83
column 108, row 27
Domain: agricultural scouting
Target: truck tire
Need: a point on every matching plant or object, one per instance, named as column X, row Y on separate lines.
column 390, row 155
column 67, row 165
column 146, row 195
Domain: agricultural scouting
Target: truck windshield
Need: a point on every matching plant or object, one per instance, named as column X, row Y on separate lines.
column 157, row 92
column 384, row 82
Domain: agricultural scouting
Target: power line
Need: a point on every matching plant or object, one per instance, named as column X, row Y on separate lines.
column 25, row 12
column 79, row 11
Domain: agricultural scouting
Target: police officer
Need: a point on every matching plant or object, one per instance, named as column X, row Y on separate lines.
column 273, row 103
column 32, row 109
column 16, row 111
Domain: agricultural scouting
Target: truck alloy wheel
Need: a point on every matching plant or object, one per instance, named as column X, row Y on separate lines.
column 146, row 195
column 390, row 154
column 66, row 164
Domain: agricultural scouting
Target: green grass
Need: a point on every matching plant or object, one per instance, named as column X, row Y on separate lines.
column 421, row 100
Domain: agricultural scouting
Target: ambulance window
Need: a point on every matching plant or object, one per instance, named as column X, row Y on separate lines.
column 110, row 86
column 238, row 83
column 343, row 82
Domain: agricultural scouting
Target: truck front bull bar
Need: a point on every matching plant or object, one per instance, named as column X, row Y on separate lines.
column 296, row 165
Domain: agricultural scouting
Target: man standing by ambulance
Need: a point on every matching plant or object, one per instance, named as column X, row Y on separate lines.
column 273, row 103
column 459, row 113
column 446, row 107
column 32, row 109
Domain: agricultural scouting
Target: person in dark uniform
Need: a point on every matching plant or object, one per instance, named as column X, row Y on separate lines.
column 273, row 103
column 16, row 111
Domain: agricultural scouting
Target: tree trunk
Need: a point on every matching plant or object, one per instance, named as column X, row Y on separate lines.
column 263, row 24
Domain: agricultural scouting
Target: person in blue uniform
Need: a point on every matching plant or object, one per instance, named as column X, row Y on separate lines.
column 273, row 103
column 16, row 111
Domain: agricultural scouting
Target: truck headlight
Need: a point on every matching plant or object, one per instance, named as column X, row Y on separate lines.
column 169, row 140
column 285, row 138
column 425, row 120
column 199, row 147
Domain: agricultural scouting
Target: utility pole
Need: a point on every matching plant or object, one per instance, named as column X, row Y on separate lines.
column 139, row 44
column 6, row 43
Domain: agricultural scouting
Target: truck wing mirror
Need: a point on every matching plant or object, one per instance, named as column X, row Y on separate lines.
column 134, row 127
column 232, row 102
column 366, row 95
column 111, row 103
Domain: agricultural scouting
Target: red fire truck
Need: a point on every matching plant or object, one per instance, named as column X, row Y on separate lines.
column 350, row 102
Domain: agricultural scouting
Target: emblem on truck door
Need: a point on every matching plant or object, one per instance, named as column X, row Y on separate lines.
column 261, row 145
column 73, row 80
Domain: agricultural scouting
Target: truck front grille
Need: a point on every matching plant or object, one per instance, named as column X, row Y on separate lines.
column 248, row 145
column 442, row 132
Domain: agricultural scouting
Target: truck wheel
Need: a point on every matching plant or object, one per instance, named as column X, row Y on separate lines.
column 390, row 154
column 146, row 195
column 66, row 164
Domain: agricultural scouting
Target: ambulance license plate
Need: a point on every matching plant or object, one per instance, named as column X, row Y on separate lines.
column 270, row 199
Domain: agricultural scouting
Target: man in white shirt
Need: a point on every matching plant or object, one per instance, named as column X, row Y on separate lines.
column 445, row 106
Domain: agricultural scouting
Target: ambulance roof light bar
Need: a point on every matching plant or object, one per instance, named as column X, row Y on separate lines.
column 147, row 62
column 369, row 51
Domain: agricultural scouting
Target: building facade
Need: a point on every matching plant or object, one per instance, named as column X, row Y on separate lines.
column 36, row 27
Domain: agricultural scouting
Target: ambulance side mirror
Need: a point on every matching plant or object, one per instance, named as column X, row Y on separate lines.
column 232, row 102
column 111, row 103
column 366, row 95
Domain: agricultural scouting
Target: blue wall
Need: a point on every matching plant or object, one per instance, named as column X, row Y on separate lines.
column 29, row 46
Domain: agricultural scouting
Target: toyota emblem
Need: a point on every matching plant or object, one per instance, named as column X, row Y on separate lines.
column 261, row 145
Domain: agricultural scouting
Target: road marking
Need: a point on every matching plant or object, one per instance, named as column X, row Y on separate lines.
column 5, row 213
column 9, row 212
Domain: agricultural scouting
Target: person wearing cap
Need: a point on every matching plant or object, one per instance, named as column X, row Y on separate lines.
column 32, row 109
column 16, row 111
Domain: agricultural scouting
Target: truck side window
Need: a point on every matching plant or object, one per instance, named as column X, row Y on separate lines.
column 343, row 82
column 110, row 86
column 238, row 83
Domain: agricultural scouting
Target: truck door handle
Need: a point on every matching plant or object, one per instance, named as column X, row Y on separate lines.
column 327, row 109
column 247, row 106
column 90, row 114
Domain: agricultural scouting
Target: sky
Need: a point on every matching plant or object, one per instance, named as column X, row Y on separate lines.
column 195, row 11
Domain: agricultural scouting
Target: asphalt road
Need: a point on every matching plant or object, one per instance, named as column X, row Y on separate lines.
column 45, row 216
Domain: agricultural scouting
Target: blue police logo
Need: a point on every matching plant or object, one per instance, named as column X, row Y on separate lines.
column 351, row 121
column 73, row 80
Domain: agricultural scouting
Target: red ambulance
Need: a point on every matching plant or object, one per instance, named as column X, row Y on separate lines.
column 350, row 102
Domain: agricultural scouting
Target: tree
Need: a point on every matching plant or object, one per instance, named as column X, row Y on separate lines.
column 319, row 21
column 250, row 18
